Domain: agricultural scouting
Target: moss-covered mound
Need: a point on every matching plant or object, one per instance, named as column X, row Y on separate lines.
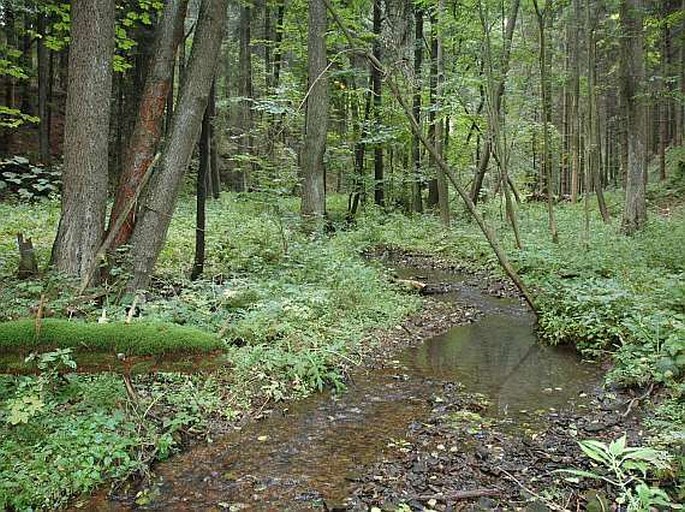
column 137, row 338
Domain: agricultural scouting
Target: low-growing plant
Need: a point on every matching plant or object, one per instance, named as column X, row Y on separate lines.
column 21, row 180
column 625, row 469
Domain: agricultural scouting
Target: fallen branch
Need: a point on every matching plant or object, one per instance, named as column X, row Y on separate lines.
column 638, row 399
column 461, row 495
column 535, row 495
column 114, row 231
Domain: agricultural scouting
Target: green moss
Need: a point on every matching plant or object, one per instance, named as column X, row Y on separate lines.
column 137, row 338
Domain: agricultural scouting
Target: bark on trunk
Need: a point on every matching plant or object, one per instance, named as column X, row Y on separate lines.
column 84, row 193
column 316, row 121
column 147, row 132
column 158, row 207
column 635, row 211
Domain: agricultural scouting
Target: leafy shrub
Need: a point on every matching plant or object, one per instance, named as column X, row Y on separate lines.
column 21, row 180
column 625, row 469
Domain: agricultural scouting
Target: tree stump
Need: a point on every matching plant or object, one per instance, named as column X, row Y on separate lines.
column 28, row 267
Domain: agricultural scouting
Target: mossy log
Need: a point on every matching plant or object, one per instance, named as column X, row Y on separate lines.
column 134, row 339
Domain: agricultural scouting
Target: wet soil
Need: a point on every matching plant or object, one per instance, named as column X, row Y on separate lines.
column 472, row 417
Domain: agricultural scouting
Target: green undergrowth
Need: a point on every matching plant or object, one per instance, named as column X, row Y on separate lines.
column 136, row 338
column 64, row 433
column 597, row 289
column 611, row 296
column 292, row 312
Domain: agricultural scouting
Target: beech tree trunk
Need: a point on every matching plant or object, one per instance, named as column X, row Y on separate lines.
column 316, row 121
column 147, row 132
column 160, row 202
column 84, row 193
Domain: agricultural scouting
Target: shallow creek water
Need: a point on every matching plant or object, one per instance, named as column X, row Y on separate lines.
column 310, row 453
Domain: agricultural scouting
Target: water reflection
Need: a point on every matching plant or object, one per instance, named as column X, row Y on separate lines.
column 499, row 357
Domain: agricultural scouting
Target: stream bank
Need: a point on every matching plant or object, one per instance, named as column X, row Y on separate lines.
column 429, row 424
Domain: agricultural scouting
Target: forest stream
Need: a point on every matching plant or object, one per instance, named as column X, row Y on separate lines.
column 330, row 452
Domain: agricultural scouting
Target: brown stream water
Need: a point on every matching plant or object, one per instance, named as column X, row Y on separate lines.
column 310, row 454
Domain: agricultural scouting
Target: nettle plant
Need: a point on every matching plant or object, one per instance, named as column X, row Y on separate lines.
column 24, row 181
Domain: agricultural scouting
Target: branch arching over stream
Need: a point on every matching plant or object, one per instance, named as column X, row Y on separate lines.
column 416, row 130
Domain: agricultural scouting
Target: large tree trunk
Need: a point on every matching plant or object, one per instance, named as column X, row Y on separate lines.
column 316, row 120
column 632, row 80
column 147, row 132
column 84, row 194
column 158, row 207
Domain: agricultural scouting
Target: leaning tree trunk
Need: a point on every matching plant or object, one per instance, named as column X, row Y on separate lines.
column 158, row 207
column 499, row 88
column 84, row 195
column 147, row 132
column 316, row 120
column 633, row 64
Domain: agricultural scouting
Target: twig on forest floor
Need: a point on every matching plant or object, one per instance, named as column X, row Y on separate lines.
column 638, row 399
column 461, row 495
column 535, row 495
